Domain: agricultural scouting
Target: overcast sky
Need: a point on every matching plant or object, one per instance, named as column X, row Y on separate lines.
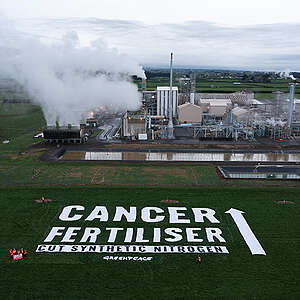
column 240, row 34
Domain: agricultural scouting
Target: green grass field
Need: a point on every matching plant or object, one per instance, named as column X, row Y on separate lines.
column 205, row 85
column 237, row 275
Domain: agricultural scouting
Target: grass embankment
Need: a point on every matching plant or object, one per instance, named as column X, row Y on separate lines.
column 18, row 124
column 237, row 275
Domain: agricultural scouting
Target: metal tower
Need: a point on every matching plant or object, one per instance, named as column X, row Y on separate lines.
column 193, row 83
column 291, row 106
column 170, row 124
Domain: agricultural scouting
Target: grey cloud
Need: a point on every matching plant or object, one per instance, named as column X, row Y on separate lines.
column 198, row 43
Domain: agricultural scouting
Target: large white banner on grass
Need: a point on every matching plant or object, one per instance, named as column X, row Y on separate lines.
column 131, row 249
column 104, row 228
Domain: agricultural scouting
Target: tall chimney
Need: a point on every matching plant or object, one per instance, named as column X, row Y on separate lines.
column 291, row 104
column 170, row 124
column 192, row 94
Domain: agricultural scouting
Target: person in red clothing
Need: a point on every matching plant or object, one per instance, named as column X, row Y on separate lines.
column 23, row 251
column 17, row 254
column 199, row 259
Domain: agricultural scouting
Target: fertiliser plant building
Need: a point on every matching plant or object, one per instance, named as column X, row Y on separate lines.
column 163, row 96
column 189, row 113
column 62, row 135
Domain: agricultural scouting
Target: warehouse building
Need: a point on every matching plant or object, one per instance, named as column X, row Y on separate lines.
column 189, row 113
column 243, row 98
column 217, row 110
column 211, row 101
column 214, row 109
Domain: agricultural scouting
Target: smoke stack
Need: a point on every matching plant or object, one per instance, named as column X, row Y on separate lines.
column 170, row 124
column 192, row 95
column 291, row 104
column 192, row 98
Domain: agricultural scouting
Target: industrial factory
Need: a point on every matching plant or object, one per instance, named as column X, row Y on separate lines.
column 178, row 112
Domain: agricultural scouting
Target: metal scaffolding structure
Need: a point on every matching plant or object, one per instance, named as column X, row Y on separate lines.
column 234, row 132
column 240, row 118
column 275, row 120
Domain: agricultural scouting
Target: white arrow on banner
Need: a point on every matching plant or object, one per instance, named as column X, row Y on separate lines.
column 249, row 237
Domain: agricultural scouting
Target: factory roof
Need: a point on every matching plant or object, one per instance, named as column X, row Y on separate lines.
column 166, row 88
column 215, row 102
column 217, row 110
column 189, row 105
column 72, row 128
column 254, row 101
column 238, row 111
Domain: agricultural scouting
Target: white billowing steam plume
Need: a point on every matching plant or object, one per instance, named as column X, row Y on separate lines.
column 286, row 74
column 67, row 79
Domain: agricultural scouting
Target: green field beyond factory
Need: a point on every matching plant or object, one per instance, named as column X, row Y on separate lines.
column 236, row 275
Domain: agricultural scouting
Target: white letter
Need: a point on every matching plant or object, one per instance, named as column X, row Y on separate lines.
column 90, row 233
column 121, row 211
column 103, row 217
column 146, row 212
column 208, row 213
column 176, row 236
column 65, row 214
column 70, row 232
column 174, row 214
column 156, row 235
column 214, row 232
column 191, row 235
column 140, row 236
column 128, row 236
column 54, row 232
column 113, row 234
